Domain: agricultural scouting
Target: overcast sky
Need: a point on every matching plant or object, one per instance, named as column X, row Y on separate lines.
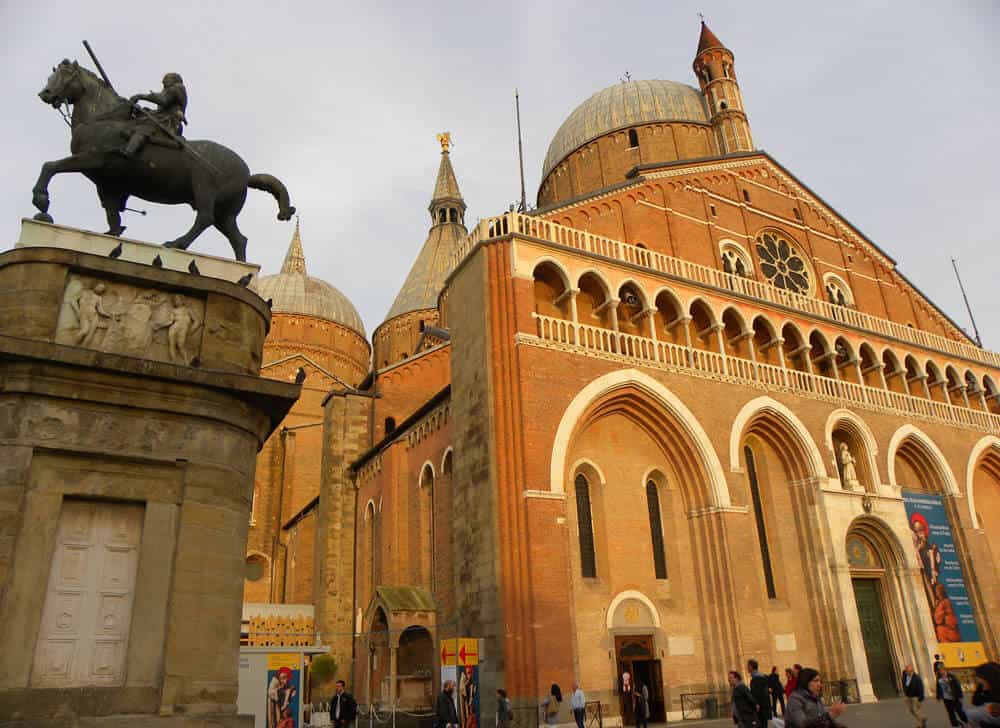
column 888, row 110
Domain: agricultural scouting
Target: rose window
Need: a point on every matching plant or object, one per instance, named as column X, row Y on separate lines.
column 782, row 264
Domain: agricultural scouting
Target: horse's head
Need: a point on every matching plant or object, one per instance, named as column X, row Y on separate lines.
column 64, row 85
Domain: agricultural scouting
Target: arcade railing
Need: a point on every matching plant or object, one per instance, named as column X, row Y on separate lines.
column 562, row 235
column 666, row 355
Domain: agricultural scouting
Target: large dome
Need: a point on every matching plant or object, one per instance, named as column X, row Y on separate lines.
column 621, row 106
column 293, row 291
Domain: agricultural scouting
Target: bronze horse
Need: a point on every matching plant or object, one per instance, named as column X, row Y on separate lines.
column 206, row 175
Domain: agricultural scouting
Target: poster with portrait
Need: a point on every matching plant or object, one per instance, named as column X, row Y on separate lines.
column 283, row 689
column 460, row 664
column 468, row 696
column 943, row 581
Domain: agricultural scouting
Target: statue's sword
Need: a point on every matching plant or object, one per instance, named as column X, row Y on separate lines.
column 180, row 141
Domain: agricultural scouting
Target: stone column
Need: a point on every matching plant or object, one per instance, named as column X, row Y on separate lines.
column 137, row 387
column 393, row 687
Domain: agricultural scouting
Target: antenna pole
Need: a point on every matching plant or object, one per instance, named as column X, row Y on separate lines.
column 975, row 329
column 520, row 150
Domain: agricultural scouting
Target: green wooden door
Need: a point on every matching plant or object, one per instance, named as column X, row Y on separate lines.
column 883, row 673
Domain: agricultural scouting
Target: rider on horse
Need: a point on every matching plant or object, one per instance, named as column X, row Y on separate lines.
column 171, row 103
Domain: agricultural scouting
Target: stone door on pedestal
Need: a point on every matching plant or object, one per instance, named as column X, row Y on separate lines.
column 83, row 635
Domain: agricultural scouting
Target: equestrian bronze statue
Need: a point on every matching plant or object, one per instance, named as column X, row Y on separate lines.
column 127, row 150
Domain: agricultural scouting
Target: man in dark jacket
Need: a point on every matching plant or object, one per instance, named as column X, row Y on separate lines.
column 777, row 691
column 744, row 706
column 761, row 692
column 913, row 691
column 343, row 707
column 950, row 691
column 447, row 714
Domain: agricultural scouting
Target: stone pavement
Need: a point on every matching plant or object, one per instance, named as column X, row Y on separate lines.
column 885, row 714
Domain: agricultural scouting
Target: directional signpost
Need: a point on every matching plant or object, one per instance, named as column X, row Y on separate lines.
column 460, row 662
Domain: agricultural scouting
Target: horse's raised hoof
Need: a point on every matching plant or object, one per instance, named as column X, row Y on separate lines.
column 44, row 217
column 41, row 201
column 116, row 231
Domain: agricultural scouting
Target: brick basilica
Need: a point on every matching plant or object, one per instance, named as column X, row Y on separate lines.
column 682, row 414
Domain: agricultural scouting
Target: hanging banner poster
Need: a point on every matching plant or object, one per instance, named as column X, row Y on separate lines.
column 283, row 688
column 943, row 581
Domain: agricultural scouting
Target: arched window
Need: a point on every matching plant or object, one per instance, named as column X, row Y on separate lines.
column 585, row 526
column 758, row 512
column 633, row 138
column 656, row 530
column 443, row 216
column 453, row 213
column 837, row 291
column 735, row 260
column 390, row 425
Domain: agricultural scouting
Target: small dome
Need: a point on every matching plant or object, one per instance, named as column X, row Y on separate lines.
column 293, row 291
column 621, row 106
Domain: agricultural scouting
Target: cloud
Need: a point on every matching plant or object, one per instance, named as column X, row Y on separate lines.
column 886, row 109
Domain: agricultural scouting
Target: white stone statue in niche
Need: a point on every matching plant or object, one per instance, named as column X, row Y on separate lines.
column 848, row 469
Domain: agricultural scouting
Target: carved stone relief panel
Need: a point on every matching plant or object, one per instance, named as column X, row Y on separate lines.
column 125, row 319
column 98, row 429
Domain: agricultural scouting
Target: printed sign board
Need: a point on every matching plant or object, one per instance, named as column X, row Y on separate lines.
column 943, row 581
column 284, row 671
column 460, row 663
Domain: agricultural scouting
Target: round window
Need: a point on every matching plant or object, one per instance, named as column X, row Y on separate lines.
column 781, row 264
column 255, row 569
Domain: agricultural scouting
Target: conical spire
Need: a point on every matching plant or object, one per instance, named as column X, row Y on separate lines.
column 426, row 277
column 295, row 260
column 707, row 40
column 446, row 192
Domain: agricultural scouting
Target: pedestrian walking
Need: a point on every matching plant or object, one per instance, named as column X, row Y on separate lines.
column 985, row 710
column 805, row 705
column 447, row 713
column 790, row 682
column 949, row 691
column 760, row 689
column 343, row 707
column 505, row 714
column 913, row 691
column 578, row 702
column 550, row 706
column 777, row 691
column 641, row 697
column 744, row 706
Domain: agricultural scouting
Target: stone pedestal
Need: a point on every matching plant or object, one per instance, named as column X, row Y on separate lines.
column 131, row 413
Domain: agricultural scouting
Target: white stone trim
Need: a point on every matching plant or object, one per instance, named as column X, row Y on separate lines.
column 631, row 594
column 949, row 484
column 543, row 495
column 970, row 475
column 423, row 469
column 448, row 451
column 597, row 469
column 718, row 493
column 765, row 404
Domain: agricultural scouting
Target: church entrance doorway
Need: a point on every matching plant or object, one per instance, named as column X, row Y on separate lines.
column 872, row 582
column 636, row 659
column 867, row 594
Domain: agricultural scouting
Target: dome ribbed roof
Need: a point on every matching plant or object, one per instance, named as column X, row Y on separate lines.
column 293, row 291
column 624, row 105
